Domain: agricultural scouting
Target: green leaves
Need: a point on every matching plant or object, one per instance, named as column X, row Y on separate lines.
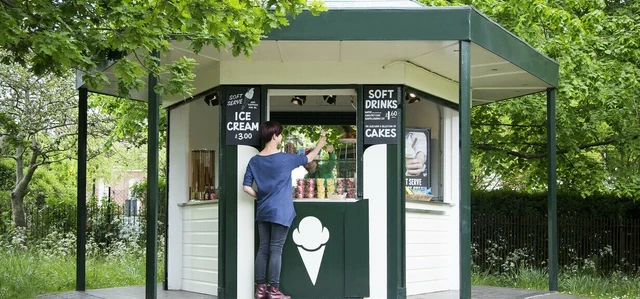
column 598, row 103
column 81, row 34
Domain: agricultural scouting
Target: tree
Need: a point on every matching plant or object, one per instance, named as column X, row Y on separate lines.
column 84, row 34
column 129, row 120
column 598, row 104
column 38, row 126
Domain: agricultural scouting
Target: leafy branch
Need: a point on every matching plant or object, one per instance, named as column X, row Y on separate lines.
column 489, row 147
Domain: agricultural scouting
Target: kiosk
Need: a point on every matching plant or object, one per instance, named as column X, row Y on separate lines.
column 405, row 77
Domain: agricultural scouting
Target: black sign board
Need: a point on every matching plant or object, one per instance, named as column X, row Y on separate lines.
column 242, row 118
column 381, row 114
column 417, row 155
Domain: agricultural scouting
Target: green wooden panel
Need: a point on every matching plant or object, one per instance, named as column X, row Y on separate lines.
column 347, row 223
column 230, row 222
column 356, row 255
column 429, row 23
column 396, row 285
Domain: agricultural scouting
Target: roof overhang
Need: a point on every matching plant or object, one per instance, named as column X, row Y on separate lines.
column 420, row 43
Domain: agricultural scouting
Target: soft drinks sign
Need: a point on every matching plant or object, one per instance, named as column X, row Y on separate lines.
column 381, row 112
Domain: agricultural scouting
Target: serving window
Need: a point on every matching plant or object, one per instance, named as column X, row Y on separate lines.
column 304, row 115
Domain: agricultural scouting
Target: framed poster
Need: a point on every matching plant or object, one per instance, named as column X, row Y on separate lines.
column 242, row 117
column 417, row 158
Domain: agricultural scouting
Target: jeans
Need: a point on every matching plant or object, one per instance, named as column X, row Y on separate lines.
column 272, row 237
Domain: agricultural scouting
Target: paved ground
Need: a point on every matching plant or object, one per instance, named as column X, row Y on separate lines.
column 125, row 293
column 479, row 292
column 482, row 292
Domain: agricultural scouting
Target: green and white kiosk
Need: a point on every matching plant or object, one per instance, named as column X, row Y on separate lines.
column 406, row 76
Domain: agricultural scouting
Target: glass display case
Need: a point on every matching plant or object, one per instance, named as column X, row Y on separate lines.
column 203, row 177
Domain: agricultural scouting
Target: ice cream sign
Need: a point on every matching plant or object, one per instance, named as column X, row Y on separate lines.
column 242, row 115
column 381, row 114
column 311, row 238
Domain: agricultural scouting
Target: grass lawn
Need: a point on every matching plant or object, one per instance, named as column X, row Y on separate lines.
column 583, row 285
column 25, row 275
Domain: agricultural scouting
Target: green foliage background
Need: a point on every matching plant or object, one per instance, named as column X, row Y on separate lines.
column 598, row 103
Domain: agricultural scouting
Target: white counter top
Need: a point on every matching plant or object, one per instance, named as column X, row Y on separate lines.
column 197, row 202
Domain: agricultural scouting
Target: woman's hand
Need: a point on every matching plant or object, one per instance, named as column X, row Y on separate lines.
column 314, row 153
column 321, row 142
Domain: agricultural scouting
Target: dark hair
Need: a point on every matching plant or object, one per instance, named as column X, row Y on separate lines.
column 268, row 129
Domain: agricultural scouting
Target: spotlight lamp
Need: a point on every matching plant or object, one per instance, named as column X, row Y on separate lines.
column 212, row 99
column 331, row 100
column 412, row 98
column 299, row 100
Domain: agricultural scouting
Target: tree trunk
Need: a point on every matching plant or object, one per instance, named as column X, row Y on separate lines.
column 22, row 182
column 17, row 209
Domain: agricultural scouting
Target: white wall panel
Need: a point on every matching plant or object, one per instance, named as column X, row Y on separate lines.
column 375, row 189
column 200, row 248
column 451, row 174
column 201, row 287
column 178, row 191
column 259, row 72
column 427, row 249
column 246, row 227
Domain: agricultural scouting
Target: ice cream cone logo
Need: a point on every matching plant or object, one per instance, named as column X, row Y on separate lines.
column 248, row 96
column 311, row 237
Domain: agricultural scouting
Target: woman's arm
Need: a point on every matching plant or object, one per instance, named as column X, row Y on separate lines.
column 314, row 153
column 249, row 190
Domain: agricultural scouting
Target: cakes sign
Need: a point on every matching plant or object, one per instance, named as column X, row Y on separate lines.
column 243, row 115
column 381, row 114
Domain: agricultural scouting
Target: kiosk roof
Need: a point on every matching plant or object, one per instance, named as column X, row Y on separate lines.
column 389, row 32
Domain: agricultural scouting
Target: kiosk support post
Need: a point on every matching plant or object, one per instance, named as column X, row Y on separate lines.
column 82, row 191
column 551, row 176
column 153, row 109
column 465, row 169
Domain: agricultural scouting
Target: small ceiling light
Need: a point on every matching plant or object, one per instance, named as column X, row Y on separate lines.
column 299, row 100
column 212, row 99
column 331, row 100
column 412, row 98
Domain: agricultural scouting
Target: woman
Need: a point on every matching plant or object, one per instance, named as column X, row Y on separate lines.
column 271, row 171
column 323, row 170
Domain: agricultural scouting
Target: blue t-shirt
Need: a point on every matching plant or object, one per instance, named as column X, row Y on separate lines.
column 272, row 174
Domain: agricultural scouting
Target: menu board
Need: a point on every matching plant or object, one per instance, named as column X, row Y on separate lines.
column 417, row 162
column 381, row 114
column 242, row 118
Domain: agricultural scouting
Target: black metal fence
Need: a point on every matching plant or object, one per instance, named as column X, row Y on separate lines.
column 601, row 245
column 103, row 215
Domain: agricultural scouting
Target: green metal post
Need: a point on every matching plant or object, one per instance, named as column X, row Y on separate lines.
column 82, row 190
column 465, row 169
column 396, row 239
column 153, row 109
column 165, row 281
column 222, row 202
column 551, row 175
